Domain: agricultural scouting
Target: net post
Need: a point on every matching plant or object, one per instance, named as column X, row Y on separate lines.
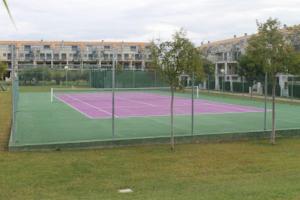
column 51, row 93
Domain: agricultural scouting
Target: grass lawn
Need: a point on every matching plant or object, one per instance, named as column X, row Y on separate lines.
column 5, row 115
column 239, row 170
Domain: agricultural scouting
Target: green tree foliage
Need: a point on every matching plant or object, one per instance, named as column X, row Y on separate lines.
column 250, row 70
column 35, row 75
column 58, row 76
column 208, row 67
column 270, row 50
column 174, row 58
column 3, row 69
column 273, row 53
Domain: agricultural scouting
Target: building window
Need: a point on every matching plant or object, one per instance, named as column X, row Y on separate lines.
column 46, row 46
column 138, row 56
column 4, row 54
column 74, row 48
column 119, row 56
column 126, row 55
column 49, row 56
column 63, row 56
column 126, row 65
column 27, row 56
column 56, row 56
column 132, row 48
column 27, row 47
column 106, row 47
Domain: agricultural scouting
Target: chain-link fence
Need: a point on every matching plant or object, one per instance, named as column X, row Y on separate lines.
column 287, row 86
column 43, row 76
column 93, row 107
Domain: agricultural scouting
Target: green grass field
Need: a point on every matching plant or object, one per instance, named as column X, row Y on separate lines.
column 5, row 116
column 249, row 170
column 40, row 122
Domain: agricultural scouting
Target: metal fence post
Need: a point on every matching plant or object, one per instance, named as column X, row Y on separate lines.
column 193, row 83
column 292, row 87
column 113, row 97
column 208, row 84
column 266, row 93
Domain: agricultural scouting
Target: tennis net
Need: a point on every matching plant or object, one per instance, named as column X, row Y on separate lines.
column 104, row 93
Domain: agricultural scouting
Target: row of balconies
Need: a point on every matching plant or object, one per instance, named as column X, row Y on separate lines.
column 65, row 56
column 86, row 65
column 88, row 48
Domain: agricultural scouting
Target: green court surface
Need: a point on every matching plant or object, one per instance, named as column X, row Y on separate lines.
column 40, row 122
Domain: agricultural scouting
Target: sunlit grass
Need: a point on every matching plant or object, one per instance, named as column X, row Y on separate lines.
column 5, row 118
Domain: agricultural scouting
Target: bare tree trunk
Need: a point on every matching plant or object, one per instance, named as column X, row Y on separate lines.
column 273, row 111
column 172, row 119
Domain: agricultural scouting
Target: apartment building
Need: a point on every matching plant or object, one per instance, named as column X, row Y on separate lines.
column 225, row 54
column 75, row 55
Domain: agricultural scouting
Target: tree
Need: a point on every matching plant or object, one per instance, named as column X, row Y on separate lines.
column 3, row 68
column 8, row 11
column 208, row 69
column 172, row 59
column 58, row 76
column 270, row 50
column 250, row 70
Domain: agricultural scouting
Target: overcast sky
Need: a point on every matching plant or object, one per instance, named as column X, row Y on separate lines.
column 140, row 20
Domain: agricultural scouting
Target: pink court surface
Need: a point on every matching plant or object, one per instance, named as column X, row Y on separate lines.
column 139, row 104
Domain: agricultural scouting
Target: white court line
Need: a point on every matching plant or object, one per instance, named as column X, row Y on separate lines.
column 185, row 114
column 85, row 114
column 99, row 109
column 147, row 104
column 242, row 108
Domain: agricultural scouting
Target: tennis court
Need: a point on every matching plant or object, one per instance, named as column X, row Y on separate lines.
column 78, row 117
column 98, row 105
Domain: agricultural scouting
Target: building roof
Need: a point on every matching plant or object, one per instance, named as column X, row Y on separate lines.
column 69, row 43
column 226, row 41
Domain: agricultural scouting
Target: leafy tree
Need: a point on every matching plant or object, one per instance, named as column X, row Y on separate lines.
column 271, row 51
column 208, row 67
column 172, row 59
column 58, row 76
column 35, row 75
column 250, row 70
column 3, row 68
column 208, row 70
